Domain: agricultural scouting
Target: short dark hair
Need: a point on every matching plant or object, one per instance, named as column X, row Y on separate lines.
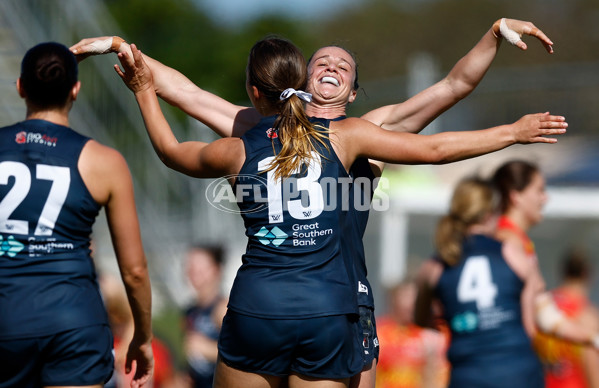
column 214, row 250
column 48, row 72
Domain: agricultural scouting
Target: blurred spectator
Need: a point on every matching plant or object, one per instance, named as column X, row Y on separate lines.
column 204, row 317
column 411, row 356
column 569, row 365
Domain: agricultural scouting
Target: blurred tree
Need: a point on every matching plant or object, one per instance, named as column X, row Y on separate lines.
column 383, row 34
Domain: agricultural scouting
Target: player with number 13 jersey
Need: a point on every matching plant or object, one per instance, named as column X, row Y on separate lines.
column 296, row 225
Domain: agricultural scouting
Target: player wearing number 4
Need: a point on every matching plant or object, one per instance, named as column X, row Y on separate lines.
column 485, row 288
column 53, row 326
column 292, row 308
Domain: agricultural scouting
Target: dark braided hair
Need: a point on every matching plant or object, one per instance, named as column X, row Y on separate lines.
column 48, row 73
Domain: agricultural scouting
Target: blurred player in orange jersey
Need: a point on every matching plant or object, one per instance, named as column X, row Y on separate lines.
column 568, row 365
column 410, row 356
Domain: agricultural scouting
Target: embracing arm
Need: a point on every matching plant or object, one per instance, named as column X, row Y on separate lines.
column 194, row 158
column 223, row 117
column 418, row 111
column 360, row 138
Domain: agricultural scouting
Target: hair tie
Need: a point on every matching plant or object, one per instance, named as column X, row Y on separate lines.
column 301, row 94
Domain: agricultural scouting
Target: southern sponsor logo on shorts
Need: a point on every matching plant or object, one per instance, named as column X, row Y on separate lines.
column 10, row 247
column 35, row 138
column 274, row 236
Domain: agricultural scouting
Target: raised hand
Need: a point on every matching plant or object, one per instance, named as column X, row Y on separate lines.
column 534, row 128
column 513, row 30
column 135, row 74
column 96, row 46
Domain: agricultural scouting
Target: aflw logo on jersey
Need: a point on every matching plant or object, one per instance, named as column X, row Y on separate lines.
column 37, row 138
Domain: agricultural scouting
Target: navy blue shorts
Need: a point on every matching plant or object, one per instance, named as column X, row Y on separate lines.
column 368, row 335
column 82, row 356
column 321, row 347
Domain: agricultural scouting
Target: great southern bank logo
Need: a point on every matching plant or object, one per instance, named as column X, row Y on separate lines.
column 10, row 246
column 275, row 236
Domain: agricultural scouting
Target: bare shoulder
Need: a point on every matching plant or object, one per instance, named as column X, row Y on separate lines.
column 93, row 152
column 508, row 235
column 516, row 257
column 351, row 123
column 103, row 169
column 351, row 129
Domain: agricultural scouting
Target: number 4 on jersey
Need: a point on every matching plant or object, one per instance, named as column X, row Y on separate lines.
column 476, row 283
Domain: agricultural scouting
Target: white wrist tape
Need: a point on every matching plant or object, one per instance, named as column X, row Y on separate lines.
column 548, row 315
column 100, row 46
column 510, row 35
column 595, row 341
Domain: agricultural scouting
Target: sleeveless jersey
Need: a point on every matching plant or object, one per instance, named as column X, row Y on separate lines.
column 563, row 360
column 361, row 193
column 47, row 277
column 294, row 266
column 481, row 302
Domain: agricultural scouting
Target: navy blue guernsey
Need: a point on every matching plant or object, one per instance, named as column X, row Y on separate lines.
column 294, row 265
column 363, row 186
column 361, row 193
column 47, row 277
column 481, row 302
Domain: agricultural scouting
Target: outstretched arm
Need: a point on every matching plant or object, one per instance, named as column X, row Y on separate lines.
column 223, row 117
column 355, row 137
column 418, row 111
